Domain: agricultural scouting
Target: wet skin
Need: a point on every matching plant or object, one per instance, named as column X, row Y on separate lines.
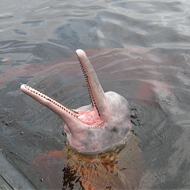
column 98, row 127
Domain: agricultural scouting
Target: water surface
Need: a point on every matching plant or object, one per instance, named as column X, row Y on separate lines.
column 139, row 49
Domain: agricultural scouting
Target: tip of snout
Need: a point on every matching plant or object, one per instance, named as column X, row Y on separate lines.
column 23, row 87
column 80, row 53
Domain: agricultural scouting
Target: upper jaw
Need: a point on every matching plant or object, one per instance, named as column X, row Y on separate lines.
column 96, row 93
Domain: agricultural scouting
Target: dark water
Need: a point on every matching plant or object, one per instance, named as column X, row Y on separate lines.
column 139, row 49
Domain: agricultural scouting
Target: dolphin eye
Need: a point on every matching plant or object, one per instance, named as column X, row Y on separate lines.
column 114, row 129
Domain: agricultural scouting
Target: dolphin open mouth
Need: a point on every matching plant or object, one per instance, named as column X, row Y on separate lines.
column 92, row 128
column 96, row 94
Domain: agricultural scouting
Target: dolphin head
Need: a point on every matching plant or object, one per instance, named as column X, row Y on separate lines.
column 98, row 127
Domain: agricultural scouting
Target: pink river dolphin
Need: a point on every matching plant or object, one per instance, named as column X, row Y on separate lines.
column 96, row 127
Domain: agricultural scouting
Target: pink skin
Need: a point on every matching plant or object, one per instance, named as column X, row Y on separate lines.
column 98, row 127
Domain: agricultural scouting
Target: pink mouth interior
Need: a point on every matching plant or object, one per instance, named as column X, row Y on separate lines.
column 90, row 117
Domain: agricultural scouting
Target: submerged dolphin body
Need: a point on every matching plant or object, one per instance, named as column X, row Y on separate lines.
column 100, row 126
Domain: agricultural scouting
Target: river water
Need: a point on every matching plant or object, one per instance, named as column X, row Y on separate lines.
column 139, row 49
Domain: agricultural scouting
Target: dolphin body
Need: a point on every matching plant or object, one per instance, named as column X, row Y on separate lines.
column 98, row 127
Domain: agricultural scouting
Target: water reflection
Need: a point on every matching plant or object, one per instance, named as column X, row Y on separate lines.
column 120, row 169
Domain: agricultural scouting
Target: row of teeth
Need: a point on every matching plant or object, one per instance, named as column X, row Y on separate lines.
column 34, row 91
column 92, row 99
column 71, row 112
